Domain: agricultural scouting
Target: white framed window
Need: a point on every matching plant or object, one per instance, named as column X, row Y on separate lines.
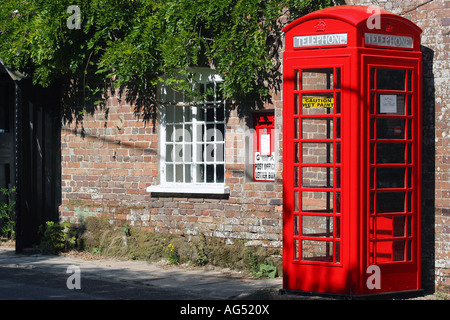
column 192, row 138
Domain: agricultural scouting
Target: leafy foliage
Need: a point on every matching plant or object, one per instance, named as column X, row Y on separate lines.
column 132, row 45
column 7, row 213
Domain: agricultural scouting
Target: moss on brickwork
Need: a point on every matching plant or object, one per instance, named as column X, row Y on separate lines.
column 97, row 235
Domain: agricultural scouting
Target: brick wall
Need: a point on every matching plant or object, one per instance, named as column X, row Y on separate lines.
column 434, row 19
column 109, row 168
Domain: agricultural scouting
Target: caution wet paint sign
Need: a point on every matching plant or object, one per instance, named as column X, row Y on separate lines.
column 321, row 102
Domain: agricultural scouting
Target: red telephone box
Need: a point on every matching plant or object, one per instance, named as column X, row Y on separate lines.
column 352, row 152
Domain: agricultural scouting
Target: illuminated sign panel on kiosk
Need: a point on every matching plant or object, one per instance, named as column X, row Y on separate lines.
column 387, row 40
column 320, row 40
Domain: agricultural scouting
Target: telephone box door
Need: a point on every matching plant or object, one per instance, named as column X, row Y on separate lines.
column 393, row 208
column 314, row 211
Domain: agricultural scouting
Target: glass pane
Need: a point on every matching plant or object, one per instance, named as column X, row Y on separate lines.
column 220, row 152
column 178, row 154
column 317, row 152
column 220, row 173
column 200, row 153
column 387, row 251
column 296, row 219
column 391, row 104
column 210, row 173
column 187, row 114
column 317, row 226
column 296, row 110
column 210, row 152
column 390, row 79
column 296, row 73
column 200, row 173
column 317, row 201
column 296, row 249
column 391, row 152
column 317, row 79
column 200, row 132
column 220, row 132
column 188, row 152
column 317, row 177
column 220, row 114
column 169, row 173
column 296, row 207
column 188, row 133
column 169, row 133
column 317, row 104
column 317, row 128
column 187, row 173
column 210, row 132
column 390, row 226
column 390, row 202
column 170, row 114
column 321, row 251
column 210, row 114
column 390, row 128
column 179, row 132
column 178, row 114
column 390, row 177
column 296, row 177
column 169, row 153
column 179, row 173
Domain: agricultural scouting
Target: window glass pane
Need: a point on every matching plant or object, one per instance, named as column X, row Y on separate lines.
column 317, row 104
column 220, row 152
column 188, row 152
column 188, row 133
column 170, row 133
column 317, row 152
column 200, row 173
column 178, row 154
column 317, row 226
column 391, row 104
column 200, row 153
column 178, row 135
column 187, row 173
column 170, row 114
column 179, row 173
column 317, row 79
column 390, row 202
column 321, row 251
column 390, row 152
column 220, row 173
column 169, row 153
column 169, row 173
column 210, row 173
column 390, row 79
column 390, row 128
column 389, row 226
column 317, row 128
column 220, row 113
column 390, row 177
column 178, row 112
column 317, row 177
column 210, row 114
column 317, row 201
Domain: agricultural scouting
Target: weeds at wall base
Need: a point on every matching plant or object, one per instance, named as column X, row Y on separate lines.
column 97, row 236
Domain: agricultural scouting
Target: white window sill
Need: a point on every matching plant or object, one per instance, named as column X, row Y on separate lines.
column 198, row 189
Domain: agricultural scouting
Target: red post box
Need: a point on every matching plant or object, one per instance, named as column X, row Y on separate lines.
column 352, row 152
column 264, row 148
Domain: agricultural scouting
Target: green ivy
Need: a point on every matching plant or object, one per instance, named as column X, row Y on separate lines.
column 133, row 44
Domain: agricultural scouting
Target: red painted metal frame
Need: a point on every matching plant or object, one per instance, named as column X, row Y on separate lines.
column 350, row 275
column 263, row 122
